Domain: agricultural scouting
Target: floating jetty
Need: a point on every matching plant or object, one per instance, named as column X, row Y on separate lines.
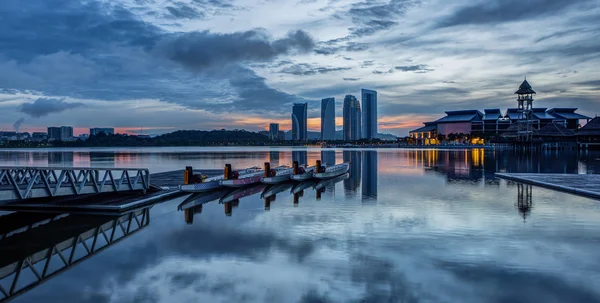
column 579, row 184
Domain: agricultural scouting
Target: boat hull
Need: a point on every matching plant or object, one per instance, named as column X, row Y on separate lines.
column 331, row 181
column 333, row 171
column 276, row 179
column 302, row 177
column 236, row 183
column 200, row 187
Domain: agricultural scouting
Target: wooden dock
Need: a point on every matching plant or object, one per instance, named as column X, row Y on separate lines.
column 582, row 185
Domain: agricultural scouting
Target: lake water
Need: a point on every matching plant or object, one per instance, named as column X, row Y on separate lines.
column 405, row 226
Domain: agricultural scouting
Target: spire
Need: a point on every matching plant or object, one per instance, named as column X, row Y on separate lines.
column 525, row 88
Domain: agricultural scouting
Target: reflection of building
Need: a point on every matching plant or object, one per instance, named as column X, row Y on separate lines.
column 60, row 133
column 98, row 130
column 299, row 121
column 369, row 175
column 353, row 182
column 300, row 156
column 328, row 157
column 369, row 111
column 524, row 199
column 60, row 158
column 274, row 131
column 328, row 119
column 274, row 158
column 352, row 118
column 102, row 159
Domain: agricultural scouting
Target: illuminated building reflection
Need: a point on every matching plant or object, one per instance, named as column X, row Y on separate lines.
column 524, row 202
column 300, row 156
column 353, row 182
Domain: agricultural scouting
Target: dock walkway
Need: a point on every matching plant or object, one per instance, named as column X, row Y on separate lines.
column 582, row 185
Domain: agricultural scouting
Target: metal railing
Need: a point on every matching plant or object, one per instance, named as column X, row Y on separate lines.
column 19, row 183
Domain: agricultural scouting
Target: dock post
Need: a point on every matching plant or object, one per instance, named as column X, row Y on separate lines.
column 267, row 203
column 295, row 167
column 296, row 199
column 227, row 172
column 267, row 169
column 318, row 166
column 228, row 209
column 189, row 216
column 187, row 175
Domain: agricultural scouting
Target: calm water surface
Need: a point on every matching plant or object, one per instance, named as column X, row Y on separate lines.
column 405, row 226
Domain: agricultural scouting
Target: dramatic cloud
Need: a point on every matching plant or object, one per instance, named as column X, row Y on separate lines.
column 200, row 50
column 45, row 106
column 351, row 79
column 185, row 11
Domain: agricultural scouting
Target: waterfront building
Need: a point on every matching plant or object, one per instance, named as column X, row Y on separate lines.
column 369, row 110
column 352, row 118
column 589, row 134
column 98, row 130
column 39, row 136
column 328, row 119
column 274, row 131
column 522, row 122
column 61, row 133
column 300, row 121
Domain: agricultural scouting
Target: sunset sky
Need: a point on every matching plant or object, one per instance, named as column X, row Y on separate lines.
column 200, row 64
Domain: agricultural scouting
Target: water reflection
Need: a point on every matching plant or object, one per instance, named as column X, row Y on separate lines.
column 524, row 200
column 353, row 182
column 369, row 176
column 274, row 158
column 328, row 157
column 301, row 156
column 37, row 247
column 60, row 159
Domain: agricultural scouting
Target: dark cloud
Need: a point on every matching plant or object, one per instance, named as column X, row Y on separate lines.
column 499, row 11
column 182, row 10
column 368, row 63
column 589, row 83
column 305, row 69
column 448, row 82
column 371, row 27
column 351, row 79
column 420, row 68
column 199, row 50
column 45, row 106
column 339, row 45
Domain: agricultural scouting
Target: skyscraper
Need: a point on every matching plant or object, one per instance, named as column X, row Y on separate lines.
column 328, row 119
column 60, row 133
column 274, row 131
column 299, row 121
column 369, row 107
column 352, row 118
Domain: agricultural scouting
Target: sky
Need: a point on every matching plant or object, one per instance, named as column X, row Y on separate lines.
column 155, row 66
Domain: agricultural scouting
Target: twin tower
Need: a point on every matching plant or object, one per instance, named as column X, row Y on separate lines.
column 357, row 124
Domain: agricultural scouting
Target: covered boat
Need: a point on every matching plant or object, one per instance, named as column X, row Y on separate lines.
column 234, row 179
column 276, row 176
column 204, row 184
column 323, row 172
column 302, row 173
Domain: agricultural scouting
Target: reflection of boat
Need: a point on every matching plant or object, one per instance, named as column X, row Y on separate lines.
column 201, row 198
column 275, row 189
column 303, row 185
column 242, row 192
column 325, row 183
column 331, row 171
column 212, row 183
column 276, row 176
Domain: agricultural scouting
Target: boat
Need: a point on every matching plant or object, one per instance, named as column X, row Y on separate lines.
column 213, row 183
column 303, row 173
column 331, row 171
column 241, row 180
column 327, row 182
column 277, row 175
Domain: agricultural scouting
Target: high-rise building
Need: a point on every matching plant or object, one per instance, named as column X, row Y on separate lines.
column 97, row 130
column 60, row 133
column 274, row 131
column 299, row 121
column 328, row 119
column 369, row 109
column 352, row 118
